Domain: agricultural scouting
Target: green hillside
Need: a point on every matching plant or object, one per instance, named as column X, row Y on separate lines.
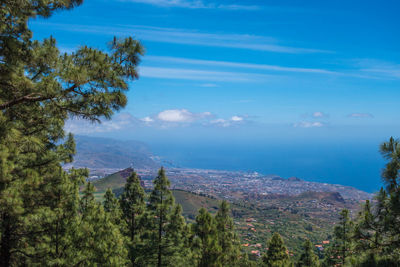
column 308, row 215
column 113, row 181
column 191, row 203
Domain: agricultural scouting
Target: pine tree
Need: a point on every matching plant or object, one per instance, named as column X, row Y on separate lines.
column 308, row 257
column 376, row 230
column 343, row 238
column 227, row 238
column 206, row 243
column 161, row 233
column 341, row 248
column 57, row 246
column 133, row 206
column 110, row 202
column 178, row 252
column 64, row 206
column 40, row 89
column 277, row 254
column 112, row 207
column 99, row 241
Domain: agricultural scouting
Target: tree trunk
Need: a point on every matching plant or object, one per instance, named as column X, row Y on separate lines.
column 160, row 232
column 5, row 243
column 133, row 226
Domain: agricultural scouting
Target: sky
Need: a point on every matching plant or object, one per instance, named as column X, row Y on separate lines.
column 249, row 72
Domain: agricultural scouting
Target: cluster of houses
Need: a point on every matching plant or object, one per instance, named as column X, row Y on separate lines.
column 320, row 247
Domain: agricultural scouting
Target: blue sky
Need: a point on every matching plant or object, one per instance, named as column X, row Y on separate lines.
column 248, row 71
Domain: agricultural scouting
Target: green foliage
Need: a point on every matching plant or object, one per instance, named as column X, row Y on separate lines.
column 342, row 247
column 39, row 90
column 110, row 202
column 98, row 240
column 113, row 209
column 391, row 151
column 376, row 229
column 164, row 238
column 57, row 246
column 373, row 239
column 277, row 254
column 227, row 238
column 308, row 257
column 133, row 207
column 205, row 241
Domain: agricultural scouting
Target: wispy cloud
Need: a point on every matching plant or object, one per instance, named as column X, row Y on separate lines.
column 194, row 4
column 202, row 75
column 309, row 124
column 360, row 115
column 378, row 68
column 189, row 37
column 234, row 120
column 213, row 63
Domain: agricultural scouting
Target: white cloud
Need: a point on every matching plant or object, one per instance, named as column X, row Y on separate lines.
column 176, row 115
column 181, row 116
column 165, row 119
column 236, row 118
column 194, row 4
column 147, row 119
column 360, row 115
column 319, row 114
column 309, row 124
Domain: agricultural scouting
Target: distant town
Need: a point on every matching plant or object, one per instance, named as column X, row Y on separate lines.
column 234, row 185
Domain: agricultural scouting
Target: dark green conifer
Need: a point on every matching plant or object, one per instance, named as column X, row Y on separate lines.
column 179, row 254
column 227, row 238
column 161, row 233
column 110, row 202
column 376, row 229
column 99, row 241
column 308, row 257
column 343, row 237
column 112, row 207
column 206, row 243
column 40, row 89
column 57, row 246
column 277, row 254
column 132, row 202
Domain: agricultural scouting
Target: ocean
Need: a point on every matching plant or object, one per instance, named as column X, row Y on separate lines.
column 352, row 164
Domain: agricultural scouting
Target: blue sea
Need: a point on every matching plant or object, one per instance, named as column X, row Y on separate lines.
column 353, row 164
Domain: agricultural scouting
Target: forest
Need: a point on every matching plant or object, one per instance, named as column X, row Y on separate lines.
column 49, row 217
